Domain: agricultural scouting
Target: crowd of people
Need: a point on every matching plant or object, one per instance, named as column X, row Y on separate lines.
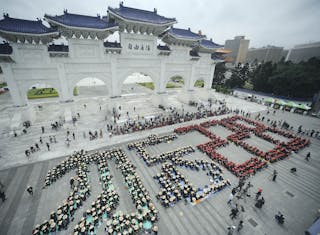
column 284, row 124
column 51, row 139
column 103, row 208
column 60, row 219
column 174, row 185
column 173, row 117
column 242, row 132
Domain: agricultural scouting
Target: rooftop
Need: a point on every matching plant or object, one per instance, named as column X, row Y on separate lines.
column 9, row 24
column 82, row 21
column 209, row 44
column 134, row 14
column 185, row 34
column 216, row 56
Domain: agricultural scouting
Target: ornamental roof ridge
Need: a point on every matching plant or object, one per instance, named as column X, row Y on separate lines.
column 136, row 14
column 209, row 44
column 185, row 33
column 80, row 20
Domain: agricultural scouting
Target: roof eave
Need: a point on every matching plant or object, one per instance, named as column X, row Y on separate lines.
column 138, row 21
column 80, row 28
column 54, row 33
column 183, row 38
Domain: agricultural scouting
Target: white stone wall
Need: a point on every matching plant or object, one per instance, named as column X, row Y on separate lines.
column 88, row 58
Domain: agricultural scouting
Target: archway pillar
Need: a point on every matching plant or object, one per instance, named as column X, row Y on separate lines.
column 192, row 78
column 115, row 88
column 14, row 89
column 208, row 83
column 162, row 81
column 65, row 91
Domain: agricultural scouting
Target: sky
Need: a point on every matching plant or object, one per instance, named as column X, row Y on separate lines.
column 265, row 22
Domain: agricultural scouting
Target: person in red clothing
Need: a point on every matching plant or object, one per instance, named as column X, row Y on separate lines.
column 258, row 194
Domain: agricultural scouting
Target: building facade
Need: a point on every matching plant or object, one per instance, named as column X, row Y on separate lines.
column 30, row 58
column 239, row 47
column 303, row 52
column 265, row 54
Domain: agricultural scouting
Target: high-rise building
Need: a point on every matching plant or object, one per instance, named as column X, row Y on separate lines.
column 264, row 54
column 303, row 52
column 239, row 47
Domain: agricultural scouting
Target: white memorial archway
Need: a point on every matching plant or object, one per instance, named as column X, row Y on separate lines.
column 30, row 59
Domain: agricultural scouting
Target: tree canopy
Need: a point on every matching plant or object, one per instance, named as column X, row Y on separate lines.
column 300, row 80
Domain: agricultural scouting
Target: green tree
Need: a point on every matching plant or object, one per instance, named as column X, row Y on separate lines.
column 219, row 74
column 300, row 80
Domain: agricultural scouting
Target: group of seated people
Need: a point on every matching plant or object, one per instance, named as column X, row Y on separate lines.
column 174, row 117
column 152, row 140
column 105, row 204
column 102, row 208
column 200, row 128
column 175, row 157
column 147, row 215
column 249, row 167
column 175, row 186
column 60, row 219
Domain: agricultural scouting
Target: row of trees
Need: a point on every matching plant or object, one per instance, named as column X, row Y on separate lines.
column 300, row 80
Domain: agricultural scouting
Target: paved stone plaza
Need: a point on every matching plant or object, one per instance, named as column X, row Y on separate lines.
column 295, row 195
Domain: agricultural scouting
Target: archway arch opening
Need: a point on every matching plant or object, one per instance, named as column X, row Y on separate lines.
column 138, row 82
column 90, row 86
column 41, row 91
column 176, row 81
column 199, row 83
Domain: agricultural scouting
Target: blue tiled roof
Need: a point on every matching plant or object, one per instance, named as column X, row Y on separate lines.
column 141, row 15
column 163, row 48
column 184, row 33
column 112, row 44
column 209, row 44
column 61, row 48
column 5, row 49
column 83, row 21
column 24, row 26
column 216, row 56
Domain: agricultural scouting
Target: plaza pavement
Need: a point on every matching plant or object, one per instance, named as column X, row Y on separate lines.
column 295, row 195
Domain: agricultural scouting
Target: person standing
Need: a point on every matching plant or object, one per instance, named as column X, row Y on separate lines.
column 2, row 195
column 234, row 212
column 73, row 135
column 230, row 199
column 37, row 147
column 240, row 225
column 48, row 146
column 30, row 190
column 260, row 203
column 41, row 140
column 308, row 156
column 258, row 194
column 71, row 182
column 274, row 176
